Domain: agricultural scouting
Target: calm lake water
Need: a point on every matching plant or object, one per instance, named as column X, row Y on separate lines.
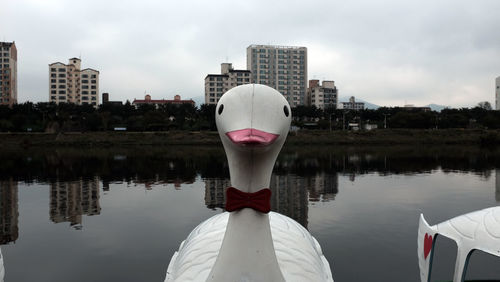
column 119, row 214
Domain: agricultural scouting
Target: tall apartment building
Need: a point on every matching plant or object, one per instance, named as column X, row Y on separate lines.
column 283, row 68
column 322, row 96
column 69, row 84
column 217, row 84
column 497, row 93
column 8, row 73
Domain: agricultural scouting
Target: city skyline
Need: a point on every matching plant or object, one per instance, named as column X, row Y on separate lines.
column 388, row 53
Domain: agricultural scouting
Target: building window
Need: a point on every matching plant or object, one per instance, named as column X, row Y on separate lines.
column 85, row 87
column 85, row 76
column 62, row 80
column 93, row 76
column 85, row 81
column 53, row 92
column 53, row 86
column 53, row 75
column 62, row 75
column 93, row 93
column 93, row 87
column 94, row 81
column 62, row 97
column 62, row 69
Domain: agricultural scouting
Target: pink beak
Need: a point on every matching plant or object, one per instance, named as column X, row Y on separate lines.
column 251, row 136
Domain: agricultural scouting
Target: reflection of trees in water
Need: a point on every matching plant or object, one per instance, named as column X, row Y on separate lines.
column 301, row 175
column 138, row 164
column 9, row 214
column 180, row 164
column 388, row 160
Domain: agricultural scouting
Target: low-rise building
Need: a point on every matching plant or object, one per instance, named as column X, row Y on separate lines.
column 410, row 107
column 217, row 84
column 176, row 101
column 351, row 105
column 322, row 96
column 69, row 84
column 105, row 100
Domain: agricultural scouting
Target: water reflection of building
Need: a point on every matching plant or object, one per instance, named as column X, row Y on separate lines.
column 70, row 200
column 9, row 214
column 497, row 185
column 157, row 180
column 215, row 192
column 323, row 187
column 289, row 195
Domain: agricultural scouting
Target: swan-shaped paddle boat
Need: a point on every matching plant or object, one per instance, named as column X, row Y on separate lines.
column 249, row 243
column 479, row 230
column 2, row 270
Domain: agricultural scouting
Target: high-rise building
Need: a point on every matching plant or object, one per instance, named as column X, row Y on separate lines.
column 283, row 68
column 8, row 73
column 322, row 96
column 217, row 84
column 497, row 93
column 69, row 84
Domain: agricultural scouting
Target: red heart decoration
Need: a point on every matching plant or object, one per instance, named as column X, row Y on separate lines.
column 427, row 245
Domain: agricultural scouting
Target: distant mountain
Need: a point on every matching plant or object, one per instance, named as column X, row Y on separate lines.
column 436, row 108
column 198, row 100
column 368, row 105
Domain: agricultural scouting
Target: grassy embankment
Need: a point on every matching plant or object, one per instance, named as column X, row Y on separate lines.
column 375, row 137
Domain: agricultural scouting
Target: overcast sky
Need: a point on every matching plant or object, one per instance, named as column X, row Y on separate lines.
column 386, row 52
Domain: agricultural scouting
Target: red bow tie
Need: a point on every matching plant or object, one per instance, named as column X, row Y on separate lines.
column 259, row 201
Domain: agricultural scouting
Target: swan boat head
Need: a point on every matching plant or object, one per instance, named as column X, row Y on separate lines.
column 250, row 243
column 253, row 122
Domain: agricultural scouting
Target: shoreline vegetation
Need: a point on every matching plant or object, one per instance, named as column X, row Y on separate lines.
column 380, row 137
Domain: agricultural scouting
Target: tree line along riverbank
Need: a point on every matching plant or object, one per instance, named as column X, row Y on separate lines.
column 479, row 137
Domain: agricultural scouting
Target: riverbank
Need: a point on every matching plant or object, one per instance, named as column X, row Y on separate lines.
column 374, row 137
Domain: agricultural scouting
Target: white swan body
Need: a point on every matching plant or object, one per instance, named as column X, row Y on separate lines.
column 299, row 255
column 2, row 270
column 478, row 230
column 246, row 244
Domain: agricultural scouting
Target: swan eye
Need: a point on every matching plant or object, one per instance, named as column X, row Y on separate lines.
column 221, row 108
column 286, row 111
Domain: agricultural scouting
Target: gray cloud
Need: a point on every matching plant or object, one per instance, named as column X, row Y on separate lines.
column 386, row 52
